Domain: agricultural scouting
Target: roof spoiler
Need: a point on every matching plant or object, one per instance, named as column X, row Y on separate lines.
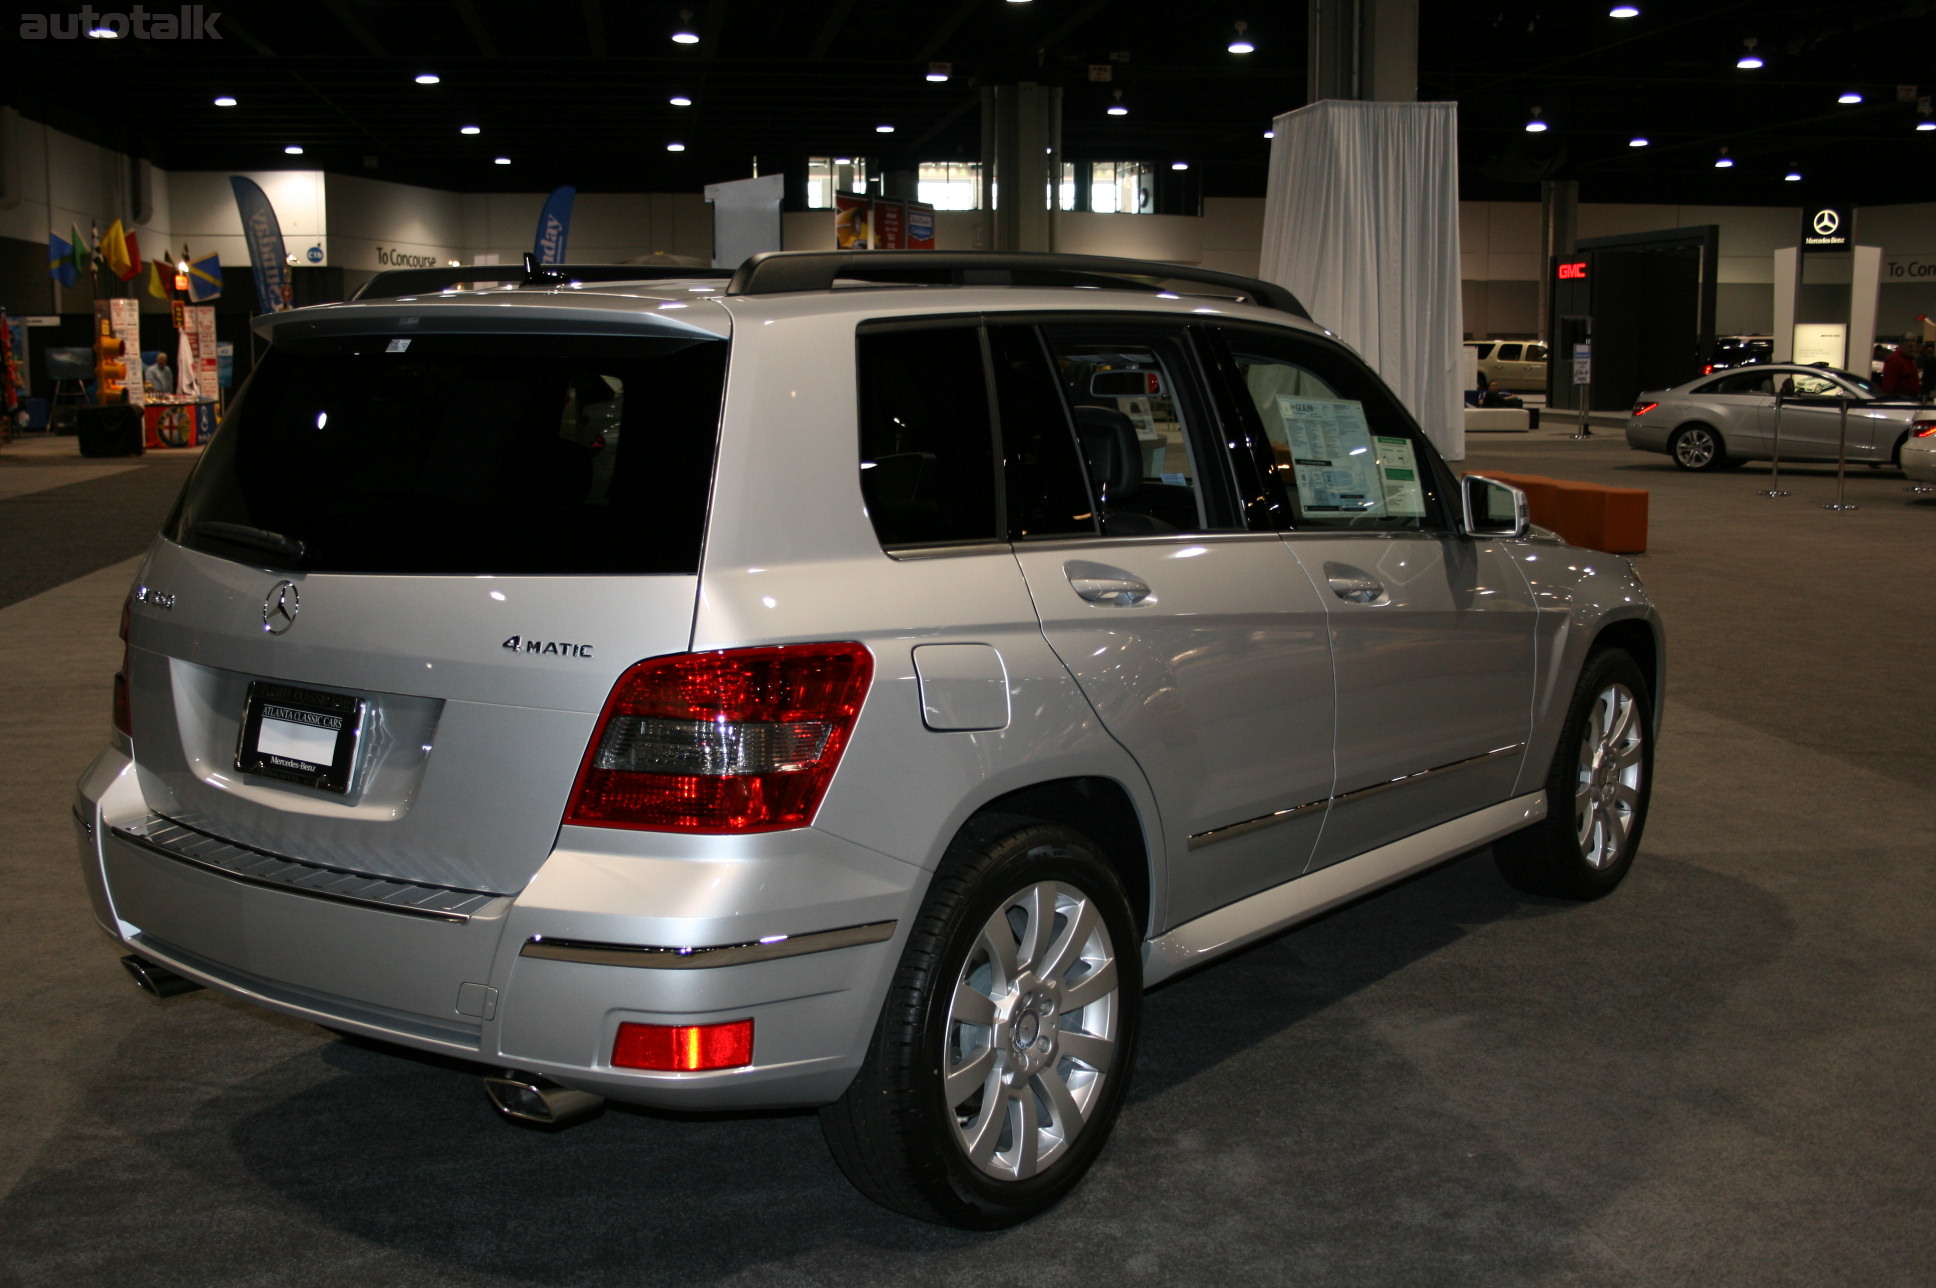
column 429, row 281
column 777, row 272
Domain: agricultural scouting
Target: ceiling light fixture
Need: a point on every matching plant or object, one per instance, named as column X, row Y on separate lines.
column 429, row 78
column 1638, row 141
column 675, row 147
column 883, row 129
column 1750, row 60
column 1116, row 108
column 101, row 31
column 1242, row 45
column 1179, row 165
column 683, row 34
column 294, row 149
column 469, row 129
column 503, row 161
column 680, row 100
column 1270, row 134
column 1623, row 11
column 1793, row 175
column 938, row 72
column 1535, row 126
column 1926, row 124
column 1849, row 96
column 1724, row 161
column 225, row 101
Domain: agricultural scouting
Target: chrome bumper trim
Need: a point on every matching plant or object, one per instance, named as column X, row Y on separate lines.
column 1249, row 825
column 171, row 840
column 763, row 950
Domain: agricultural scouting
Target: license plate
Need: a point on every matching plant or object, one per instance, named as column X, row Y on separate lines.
column 301, row 736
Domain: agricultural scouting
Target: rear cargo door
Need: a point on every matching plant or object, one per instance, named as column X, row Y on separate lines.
column 403, row 581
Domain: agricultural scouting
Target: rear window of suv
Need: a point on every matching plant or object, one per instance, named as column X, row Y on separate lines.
column 465, row 454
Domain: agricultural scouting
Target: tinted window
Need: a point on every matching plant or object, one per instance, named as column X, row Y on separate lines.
column 1509, row 353
column 1483, row 350
column 1535, row 353
column 465, row 454
column 1047, row 493
column 1151, row 454
column 1341, row 447
column 1745, row 382
column 927, row 452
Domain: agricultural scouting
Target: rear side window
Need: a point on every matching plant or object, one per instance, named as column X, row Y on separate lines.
column 465, row 454
column 927, row 450
column 1509, row 353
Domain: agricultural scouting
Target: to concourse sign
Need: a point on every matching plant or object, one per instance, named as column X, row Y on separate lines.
column 1826, row 228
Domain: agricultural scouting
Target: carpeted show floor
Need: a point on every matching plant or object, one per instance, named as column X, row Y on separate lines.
column 1724, row 1074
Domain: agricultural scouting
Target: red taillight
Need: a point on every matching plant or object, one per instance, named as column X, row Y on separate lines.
column 1925, row 428
column 1641, row 409
column 1707, row 369
column 123, row 709
column 683, row 1048
column 742, row 740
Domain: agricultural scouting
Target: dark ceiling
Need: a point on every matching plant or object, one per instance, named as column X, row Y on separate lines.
column 578, row 92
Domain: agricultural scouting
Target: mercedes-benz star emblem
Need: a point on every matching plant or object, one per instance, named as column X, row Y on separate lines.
column 279, row 609
column 1826, row 222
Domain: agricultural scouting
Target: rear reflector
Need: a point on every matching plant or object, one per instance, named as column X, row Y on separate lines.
column 683, row 1048
column 1641, row 409
column 741, row 740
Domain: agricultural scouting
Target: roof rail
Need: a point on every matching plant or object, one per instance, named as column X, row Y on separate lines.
column 776, row 272
column 428, row 281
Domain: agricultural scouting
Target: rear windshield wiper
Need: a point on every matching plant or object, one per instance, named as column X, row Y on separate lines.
column 241, row 534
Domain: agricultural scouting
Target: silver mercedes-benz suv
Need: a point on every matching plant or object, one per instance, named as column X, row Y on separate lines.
column 849, row 682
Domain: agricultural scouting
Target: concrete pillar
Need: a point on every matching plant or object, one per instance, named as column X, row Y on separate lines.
column 1559, row 223
column 1021, row 149
column 1363, row 49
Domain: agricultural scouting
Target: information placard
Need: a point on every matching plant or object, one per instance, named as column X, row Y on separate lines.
column 1341, row 468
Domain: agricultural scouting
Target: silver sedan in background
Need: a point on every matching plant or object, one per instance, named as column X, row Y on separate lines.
column 1723, row 419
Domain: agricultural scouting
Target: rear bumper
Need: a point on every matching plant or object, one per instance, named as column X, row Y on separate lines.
column 1646, row 435
column 494, row 986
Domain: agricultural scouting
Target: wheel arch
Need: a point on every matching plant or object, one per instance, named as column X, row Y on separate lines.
column 1637, row 638
column 1101, row 809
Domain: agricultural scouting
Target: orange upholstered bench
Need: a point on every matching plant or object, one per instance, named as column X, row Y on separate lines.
column 1585, row 514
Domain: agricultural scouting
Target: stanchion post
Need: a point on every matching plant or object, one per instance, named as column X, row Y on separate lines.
column 1841, row 459
column 1774, row 472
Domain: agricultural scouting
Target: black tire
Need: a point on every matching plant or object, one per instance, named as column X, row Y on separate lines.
column 1596, row 790
column 898, row 1134
column 1697, row 447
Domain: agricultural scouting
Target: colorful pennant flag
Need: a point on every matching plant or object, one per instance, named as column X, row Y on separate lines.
column 205, row 278
column 134, row 258
column 114, row 249
column 60, row 260
column 159, row 280
column 82, row 256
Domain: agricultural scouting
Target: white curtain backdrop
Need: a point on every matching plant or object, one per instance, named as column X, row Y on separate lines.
column 1361, row 221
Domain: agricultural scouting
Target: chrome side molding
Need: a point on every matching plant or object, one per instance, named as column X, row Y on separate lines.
column 769, row 949
column 1210, row 936
column 1229, row 830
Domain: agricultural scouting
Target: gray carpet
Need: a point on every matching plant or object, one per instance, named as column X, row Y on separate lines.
column 1720, row 1075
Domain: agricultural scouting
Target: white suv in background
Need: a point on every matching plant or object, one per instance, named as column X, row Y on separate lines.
column 849, row 683
column 1516, row 364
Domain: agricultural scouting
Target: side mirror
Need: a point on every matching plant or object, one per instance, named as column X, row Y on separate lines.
column 1492, row 508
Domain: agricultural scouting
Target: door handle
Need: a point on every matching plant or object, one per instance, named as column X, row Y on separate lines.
column 1120, row 591
column 1354, row 586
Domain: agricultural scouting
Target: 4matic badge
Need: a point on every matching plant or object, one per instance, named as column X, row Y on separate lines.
column 549, row 648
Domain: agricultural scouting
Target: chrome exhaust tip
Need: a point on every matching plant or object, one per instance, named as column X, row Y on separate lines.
column 158, row 980
column 527, row 1098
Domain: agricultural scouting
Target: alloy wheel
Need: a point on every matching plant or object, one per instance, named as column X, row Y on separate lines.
column 1031, row 1030
column 1607, row 800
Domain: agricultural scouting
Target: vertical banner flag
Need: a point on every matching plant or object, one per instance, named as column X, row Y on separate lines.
column 114, row 249
column 264, row 237
column 554, row 226
column 83, row 258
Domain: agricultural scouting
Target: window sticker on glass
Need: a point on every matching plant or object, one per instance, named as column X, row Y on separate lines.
column 1398, row 473
column 1331, row 456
